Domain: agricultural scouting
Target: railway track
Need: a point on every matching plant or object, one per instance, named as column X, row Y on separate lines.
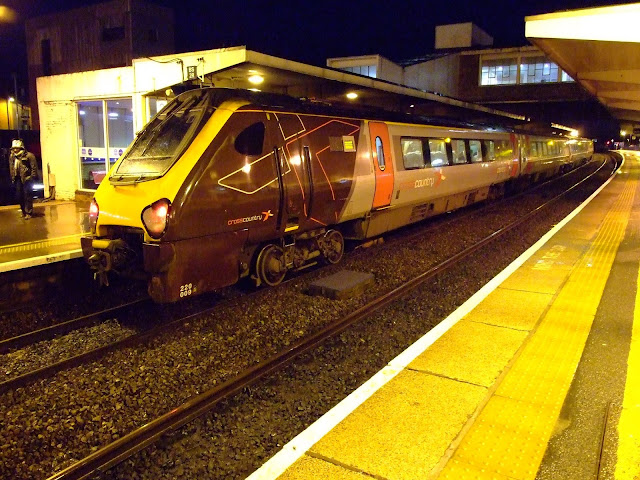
column 136, row 440
column 126, row 310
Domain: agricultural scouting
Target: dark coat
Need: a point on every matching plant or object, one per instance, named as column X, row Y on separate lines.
column 27, row 167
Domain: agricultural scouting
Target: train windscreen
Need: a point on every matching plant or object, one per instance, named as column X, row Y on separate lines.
column 159, row 145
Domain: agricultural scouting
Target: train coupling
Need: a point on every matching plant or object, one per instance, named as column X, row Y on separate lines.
column 104, row 255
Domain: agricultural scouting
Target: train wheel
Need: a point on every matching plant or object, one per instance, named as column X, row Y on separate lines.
column 333, row 246
column 270, row 265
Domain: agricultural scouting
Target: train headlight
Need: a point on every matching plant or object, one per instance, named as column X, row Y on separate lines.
column 94, row 210
column 154, row 217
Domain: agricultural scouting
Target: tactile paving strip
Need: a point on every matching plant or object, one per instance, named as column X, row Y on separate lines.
column 628, row 455
column 29, row 246
column 509, row 437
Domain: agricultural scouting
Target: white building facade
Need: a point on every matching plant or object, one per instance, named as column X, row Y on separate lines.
column 88, row 119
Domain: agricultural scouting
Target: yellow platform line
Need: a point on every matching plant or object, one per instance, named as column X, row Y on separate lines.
column 628, row 455
column 510, row 435
column 50, row 242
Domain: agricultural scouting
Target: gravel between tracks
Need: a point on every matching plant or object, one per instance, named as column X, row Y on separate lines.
column 52, row 423
column 45, row 353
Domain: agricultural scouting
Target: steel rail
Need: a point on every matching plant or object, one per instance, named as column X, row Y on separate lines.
column 47, row 333
column 121, row 449
column 97, row 353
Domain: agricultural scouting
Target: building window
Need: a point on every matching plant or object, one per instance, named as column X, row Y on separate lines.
column 119, row 127
column 366, row 70
column 538, row 70
column 503, row 71
column 523, row 70
column 566, row 77
column 97, row 156
column 155, row 105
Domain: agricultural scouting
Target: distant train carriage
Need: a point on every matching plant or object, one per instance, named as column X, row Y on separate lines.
column 224, row 184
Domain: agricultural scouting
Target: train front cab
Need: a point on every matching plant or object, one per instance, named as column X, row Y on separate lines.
column 251, row 191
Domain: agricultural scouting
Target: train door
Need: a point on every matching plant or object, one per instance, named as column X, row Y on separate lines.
column 382, row 164
column 519, row 148
column 293, row 161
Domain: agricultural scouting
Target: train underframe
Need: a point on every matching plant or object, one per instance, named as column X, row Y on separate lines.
column 183, row 268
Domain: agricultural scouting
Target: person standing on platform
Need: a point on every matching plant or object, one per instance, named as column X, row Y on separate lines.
column 23, row 169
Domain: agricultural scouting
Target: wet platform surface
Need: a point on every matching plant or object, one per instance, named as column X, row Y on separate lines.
column 51, row 235
column 536, row 377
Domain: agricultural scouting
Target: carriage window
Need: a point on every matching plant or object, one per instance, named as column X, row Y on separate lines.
column 380, row 153
column 438, row 153
column 250, row 140
column 475, row 149
column 504, row 150
column 459, row 152
column 412, row 153
column 490, row 147
column 534, row 149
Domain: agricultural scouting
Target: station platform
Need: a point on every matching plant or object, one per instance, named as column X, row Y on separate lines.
column 537, row 376
column 51, row 235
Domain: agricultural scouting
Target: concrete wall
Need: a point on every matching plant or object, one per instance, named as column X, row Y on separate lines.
column 390, row 71
column 58, row 124
column 78, row 40
column 385, row 68
column 439, row 75
column 461, row 35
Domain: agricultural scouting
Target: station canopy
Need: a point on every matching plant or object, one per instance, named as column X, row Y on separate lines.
column 600, row 49
column 235, row 67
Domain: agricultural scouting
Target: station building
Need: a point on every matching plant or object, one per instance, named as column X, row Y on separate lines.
column 465, row 65
column 89, row 114
column 88, row 119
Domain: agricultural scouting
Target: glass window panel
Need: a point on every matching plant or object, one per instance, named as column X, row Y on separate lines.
column 499, row 71
column 412, row 155
column 380, row 153
column 120, row 127
column 155, row 105
column 438, row 153
column 566, row 77
column 91, row 142
column 459, row 152
column 503, row 150
column 475, row 149
column 490, row 148
column 159, row 144
column 538, row 70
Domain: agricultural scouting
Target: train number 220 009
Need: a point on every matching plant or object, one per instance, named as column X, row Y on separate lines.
column 186, row 290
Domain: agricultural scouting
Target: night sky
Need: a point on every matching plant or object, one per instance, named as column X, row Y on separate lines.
column 310, row 31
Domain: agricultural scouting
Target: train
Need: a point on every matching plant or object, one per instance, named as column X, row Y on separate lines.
column 225, row 184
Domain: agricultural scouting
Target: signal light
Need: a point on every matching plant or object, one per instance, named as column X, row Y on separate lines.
column 154, row 217
column 94, row 211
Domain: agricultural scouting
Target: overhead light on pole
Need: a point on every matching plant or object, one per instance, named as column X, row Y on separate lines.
column 9, row 100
